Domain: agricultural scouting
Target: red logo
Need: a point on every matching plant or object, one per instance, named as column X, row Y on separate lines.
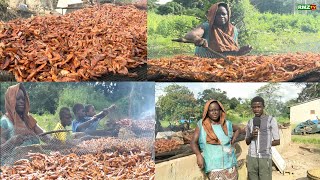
column 313, row 7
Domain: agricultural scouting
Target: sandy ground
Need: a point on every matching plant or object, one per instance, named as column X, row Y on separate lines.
column 298, row 161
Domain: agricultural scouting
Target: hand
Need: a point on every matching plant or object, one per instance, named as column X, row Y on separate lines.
column 201, row 42
column 109, row 109
column 244, row 50
column 200, row 161
column 17, row 139
column 255, row 133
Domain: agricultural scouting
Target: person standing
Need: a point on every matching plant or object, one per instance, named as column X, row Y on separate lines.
column 215, row 136
column 262, row 133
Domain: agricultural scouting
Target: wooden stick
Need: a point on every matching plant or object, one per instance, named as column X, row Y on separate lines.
column 56, row 131
column 183, row 40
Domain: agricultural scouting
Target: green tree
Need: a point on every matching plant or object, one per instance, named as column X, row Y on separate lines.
column 152, row 5
column 281, row 6
column 216, row 94
column 244, row 109
column 44, row 96
column 170, row 8
column 177, row 102
column 310, row 91
column 271, row 95
column 234, row 102
column 285, row 110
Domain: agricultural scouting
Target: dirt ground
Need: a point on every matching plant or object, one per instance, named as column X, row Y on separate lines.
column 298, row 162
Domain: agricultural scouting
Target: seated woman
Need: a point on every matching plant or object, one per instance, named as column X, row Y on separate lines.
column 17, row 126
column 215, row 135
column 218, row 34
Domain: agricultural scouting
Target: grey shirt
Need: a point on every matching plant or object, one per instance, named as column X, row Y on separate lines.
column 269, row 131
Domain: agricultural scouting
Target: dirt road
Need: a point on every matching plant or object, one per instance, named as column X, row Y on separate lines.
column 298, row 162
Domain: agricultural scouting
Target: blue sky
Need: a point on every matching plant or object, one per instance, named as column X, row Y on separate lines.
column 243, row 90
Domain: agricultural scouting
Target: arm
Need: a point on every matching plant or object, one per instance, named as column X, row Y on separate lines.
column 97, row 117
column 249, row 139
column 195, row 148
column 194, row 142
column 196, row 36
column 250, row 136
column 83, row 126
column 39, row 130
column 236, row 131
column 275, row 133
column 105, row 112
column 244, row 49
column 9, row 144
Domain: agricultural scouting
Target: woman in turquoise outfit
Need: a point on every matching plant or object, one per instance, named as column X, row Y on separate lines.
column 17, row 127
column 217, row 33
column 215, row 136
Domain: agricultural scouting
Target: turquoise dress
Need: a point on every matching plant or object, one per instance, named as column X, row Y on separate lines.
column 10, row 155
column 7, row 124
column 217, row 157
column 203, row 52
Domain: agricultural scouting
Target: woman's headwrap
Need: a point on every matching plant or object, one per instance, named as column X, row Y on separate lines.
column 28, row 123
column 206, row 123
column 220, row 40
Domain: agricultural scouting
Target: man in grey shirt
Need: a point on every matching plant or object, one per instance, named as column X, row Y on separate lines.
column 261, row 133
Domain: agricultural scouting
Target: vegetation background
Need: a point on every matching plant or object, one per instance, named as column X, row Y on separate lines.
column 133, row 99
column 179, row 102
column 271, row 27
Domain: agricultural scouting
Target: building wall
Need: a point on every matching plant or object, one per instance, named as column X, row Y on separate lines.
column 302, row 112
column 187, row 168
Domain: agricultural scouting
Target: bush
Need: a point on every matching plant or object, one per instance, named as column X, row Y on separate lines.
column 267, row 33
column 162, row 29
column 85, row 95
column 170, row 8
column 47, row 121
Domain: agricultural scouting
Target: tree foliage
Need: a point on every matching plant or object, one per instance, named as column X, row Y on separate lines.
column 271, row 95
column 132, row 98
column 171, row 8
column 309, row 92
column 179, row 102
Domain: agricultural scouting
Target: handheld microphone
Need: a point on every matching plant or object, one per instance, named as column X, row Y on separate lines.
column 256, row 123
column 256, row 127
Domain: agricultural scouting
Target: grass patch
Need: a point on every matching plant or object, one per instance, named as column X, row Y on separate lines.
column 164, row 123
column 307, row 139
column 283, row 120
column 46, row 121
column 274, row 34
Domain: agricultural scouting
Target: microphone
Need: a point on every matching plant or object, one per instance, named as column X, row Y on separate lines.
column 256, row 122
column 256, row 127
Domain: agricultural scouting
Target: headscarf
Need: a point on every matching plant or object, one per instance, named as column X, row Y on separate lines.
column 206, row 123
column 220, row 40
column 28, row 123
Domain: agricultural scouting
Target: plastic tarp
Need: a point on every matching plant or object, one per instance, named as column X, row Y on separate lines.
column 308, row 126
